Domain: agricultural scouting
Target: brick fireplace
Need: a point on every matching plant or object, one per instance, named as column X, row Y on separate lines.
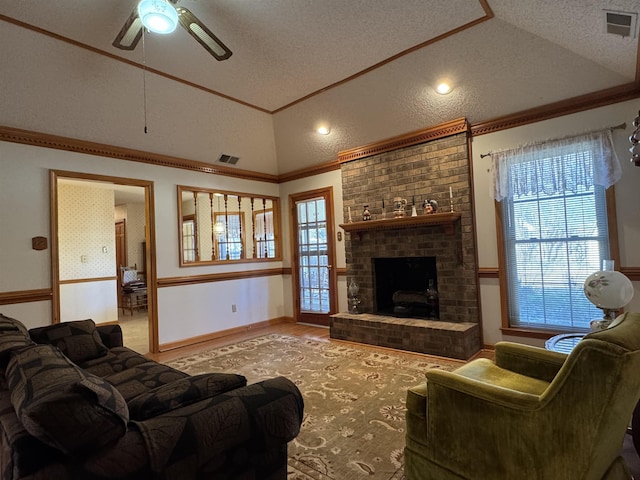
column 417, row 172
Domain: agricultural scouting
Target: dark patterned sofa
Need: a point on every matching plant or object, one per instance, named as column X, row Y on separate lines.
column 76, row 404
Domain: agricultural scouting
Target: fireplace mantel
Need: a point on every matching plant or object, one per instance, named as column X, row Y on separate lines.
column 446, row 220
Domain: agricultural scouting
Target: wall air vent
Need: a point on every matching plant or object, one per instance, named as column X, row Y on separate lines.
column 620, row 23
column 230, row 159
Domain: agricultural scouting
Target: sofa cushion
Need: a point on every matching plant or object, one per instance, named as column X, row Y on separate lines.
column 61, row 405
column 78, row 340
column 143, row 377
column 117, row 359
column 182, row 392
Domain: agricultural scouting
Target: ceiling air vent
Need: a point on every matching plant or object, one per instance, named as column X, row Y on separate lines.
column 620, row 23
column 230, row 159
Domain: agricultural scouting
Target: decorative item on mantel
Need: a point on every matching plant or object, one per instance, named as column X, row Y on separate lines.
column 635, row 142
column 354, row 300
column 366, row 214
column 349, row 219
column 429, row 206
column 451, row 198
column 383, row 213
column 608, row 290
column 399, row 205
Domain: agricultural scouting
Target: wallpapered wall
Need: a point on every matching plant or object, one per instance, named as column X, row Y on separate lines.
column 85, row 227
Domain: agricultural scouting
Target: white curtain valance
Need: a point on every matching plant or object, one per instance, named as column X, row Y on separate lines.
column 556, row 166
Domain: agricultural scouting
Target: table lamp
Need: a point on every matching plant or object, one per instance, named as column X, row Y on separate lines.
column 608, row 290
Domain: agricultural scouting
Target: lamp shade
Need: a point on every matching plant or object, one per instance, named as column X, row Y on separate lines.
column 158, row 16
column 608, row 289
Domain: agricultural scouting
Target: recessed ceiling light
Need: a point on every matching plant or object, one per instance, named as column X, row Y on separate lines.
column 324, row 130
column 443, row 88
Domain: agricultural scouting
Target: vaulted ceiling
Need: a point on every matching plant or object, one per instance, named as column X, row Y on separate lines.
column 287, row 50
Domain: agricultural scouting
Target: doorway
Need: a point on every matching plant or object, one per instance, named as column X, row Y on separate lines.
column 314, row 277
column 85, row 277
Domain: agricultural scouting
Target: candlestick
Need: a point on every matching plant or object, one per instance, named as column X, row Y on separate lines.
column 350, row 219
column 451, row 198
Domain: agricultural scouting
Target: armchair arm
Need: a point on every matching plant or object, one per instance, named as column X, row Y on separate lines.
column 481, row 391
column 226, row 435
column 531, row 361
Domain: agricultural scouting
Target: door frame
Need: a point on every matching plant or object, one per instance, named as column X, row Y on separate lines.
column 150, row 238
column 327, row 194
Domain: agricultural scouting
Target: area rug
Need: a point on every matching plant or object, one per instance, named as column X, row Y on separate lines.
column 354, row 398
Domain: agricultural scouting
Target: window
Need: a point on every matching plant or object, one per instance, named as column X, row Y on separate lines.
column 555, row 228
column 265, row 235
column 228, row 234
column 188, row 239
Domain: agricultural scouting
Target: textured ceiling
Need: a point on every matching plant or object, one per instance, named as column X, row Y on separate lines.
column 285, row 50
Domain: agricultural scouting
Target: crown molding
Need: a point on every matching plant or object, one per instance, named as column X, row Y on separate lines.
column 447, row 129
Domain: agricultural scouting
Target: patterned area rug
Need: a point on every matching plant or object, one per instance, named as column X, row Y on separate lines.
column 354, row 398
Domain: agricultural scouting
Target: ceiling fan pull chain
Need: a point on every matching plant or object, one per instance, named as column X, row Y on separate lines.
column 144, row 81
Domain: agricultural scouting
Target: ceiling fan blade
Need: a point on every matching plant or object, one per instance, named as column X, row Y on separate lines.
column 202, row 34
column 130, row 34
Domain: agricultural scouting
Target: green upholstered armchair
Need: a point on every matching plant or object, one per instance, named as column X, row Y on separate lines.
column 531, row 414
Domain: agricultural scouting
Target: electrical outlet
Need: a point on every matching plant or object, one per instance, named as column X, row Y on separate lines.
column 233, row 308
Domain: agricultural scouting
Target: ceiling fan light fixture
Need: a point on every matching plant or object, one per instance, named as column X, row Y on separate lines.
column 158, row 16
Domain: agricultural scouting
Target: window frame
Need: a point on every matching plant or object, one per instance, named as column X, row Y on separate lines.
column 212, row 199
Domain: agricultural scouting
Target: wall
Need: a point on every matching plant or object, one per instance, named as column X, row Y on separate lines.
column 65, row 90
column 184, row 311
column 323, row 180
column 86, row 252
column 627, row 193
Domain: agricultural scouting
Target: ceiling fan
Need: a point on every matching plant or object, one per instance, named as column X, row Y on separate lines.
column 131, row 31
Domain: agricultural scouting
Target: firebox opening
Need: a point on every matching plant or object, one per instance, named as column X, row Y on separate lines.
column 406, row 287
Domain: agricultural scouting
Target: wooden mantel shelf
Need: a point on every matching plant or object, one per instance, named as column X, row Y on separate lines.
column 446, row 220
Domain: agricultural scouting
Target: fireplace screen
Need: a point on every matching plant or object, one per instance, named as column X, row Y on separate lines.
column 406, row 287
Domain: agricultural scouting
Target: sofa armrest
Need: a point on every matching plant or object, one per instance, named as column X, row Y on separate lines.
column 530, row 361
column 231, row 432
column 111, row 335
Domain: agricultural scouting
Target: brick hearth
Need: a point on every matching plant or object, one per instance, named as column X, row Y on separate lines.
column 447, row 339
